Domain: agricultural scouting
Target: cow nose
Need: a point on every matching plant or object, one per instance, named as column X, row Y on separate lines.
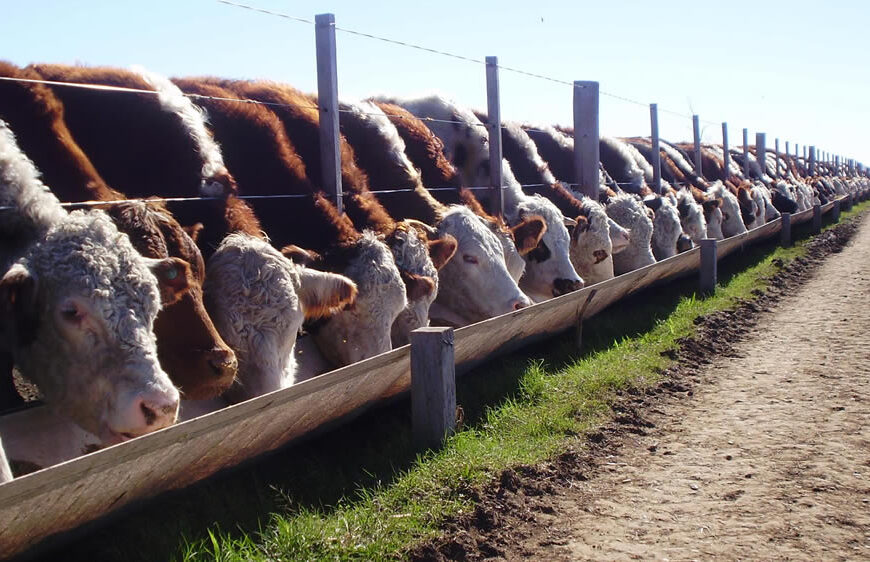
column 684, row 243
column 565, row 286
column 519, row 304
column 155, row 411
column 223, row 362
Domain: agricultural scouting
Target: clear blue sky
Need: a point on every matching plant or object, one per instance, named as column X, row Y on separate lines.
column 796, row 70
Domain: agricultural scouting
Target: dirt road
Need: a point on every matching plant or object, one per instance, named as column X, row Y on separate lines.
column 767, row 458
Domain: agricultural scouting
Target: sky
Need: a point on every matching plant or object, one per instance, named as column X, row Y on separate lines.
column 795, row 70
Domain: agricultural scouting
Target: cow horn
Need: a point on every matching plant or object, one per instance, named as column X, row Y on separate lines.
column 421, row 225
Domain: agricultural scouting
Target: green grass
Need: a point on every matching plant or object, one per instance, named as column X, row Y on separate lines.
column 363, row 492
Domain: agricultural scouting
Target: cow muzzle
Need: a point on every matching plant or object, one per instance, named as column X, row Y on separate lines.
column 565, row 286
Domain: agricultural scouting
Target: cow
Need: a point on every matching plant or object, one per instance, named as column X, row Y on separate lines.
column 78, row 307
column 189, row 347
column 667, row 233
column 243, row 305
column 629, row 212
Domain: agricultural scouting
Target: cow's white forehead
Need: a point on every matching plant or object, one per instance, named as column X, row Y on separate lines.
column 628, row 211
column 469, row 229
column 85, row 255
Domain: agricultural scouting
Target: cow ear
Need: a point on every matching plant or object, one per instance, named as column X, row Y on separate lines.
column 300, row 256
column 442, row 249
column 174, row 278
column 582, row 226
column 417, row 286
column 18, row 314
column 193, row 230
column 528, row 233
column 322, row 293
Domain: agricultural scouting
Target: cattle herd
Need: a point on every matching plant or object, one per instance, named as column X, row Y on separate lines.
column 131, row 313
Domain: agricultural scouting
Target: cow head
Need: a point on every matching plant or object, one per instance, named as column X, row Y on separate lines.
column 592, row 247
column 363, row 329
column 629, row 212
column 692, row 219
column 190, row 349
column 477, row 283
column 259, row 300
column 666, row 226
column 732, row 219
column 548, row 272
column 81, row 305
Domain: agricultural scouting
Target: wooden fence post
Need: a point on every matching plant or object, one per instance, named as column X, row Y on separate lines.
column 817, row 218
column 725, row 151
column 708, row 273
column 433, row 386
column 786, row 158
column 586, row 149
column 746, row 153
column 696, row 132
column 835, row 214
column 785, row 232
column 656, row 154
column 761, row 152
column 493, row 112
column 776, row 154
column 327, row 103
column 812, row 159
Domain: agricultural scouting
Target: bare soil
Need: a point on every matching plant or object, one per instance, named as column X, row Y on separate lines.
column 756, row 444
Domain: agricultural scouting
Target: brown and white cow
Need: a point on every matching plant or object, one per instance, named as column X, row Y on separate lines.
column 77, row 307
column 189, row 347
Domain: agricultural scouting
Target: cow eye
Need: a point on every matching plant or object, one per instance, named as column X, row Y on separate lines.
column 469, row 259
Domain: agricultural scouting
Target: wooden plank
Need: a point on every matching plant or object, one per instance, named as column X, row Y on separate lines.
column 433, row 386
column 738, row 242
column 61, row 497
column 696, row 131
column 707, row 273
column 804, row 216
column 327, row 103
column 493, row 125
column 586, row 149
column 725, row 151
column 656, row 154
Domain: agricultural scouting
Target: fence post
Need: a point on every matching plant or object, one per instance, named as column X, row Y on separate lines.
column 836, row 211
column 493, row 112
column 785, row 232
column 746, row 153
column 696, row 132
column 776, row 154
column 761, row 152
column 708, row 274
column 817, row 218
column 586, row 149
column 433, row 386
column 327, row 103
column 812, row 160
column 725, row 151
column 656, row 154
column 786, row 158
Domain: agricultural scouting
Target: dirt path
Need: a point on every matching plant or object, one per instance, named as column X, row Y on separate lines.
column 761, row 453
column 771, row 460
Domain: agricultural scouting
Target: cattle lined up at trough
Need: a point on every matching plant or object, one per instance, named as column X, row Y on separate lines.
column 240, row 279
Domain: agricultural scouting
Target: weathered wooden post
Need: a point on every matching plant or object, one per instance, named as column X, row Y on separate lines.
column 817, row 218
column 656, row 154
column 708, row 274
column 776, row 154
column 785, row 232
column 433, row 386
column 761, row 152
column 725, row 151
column 835, row 212
column 696, row 132
column 586, row 149
column 812, row 160
column 746, row 153
column 493, row 107
column 327, row 103
column 786, row 157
